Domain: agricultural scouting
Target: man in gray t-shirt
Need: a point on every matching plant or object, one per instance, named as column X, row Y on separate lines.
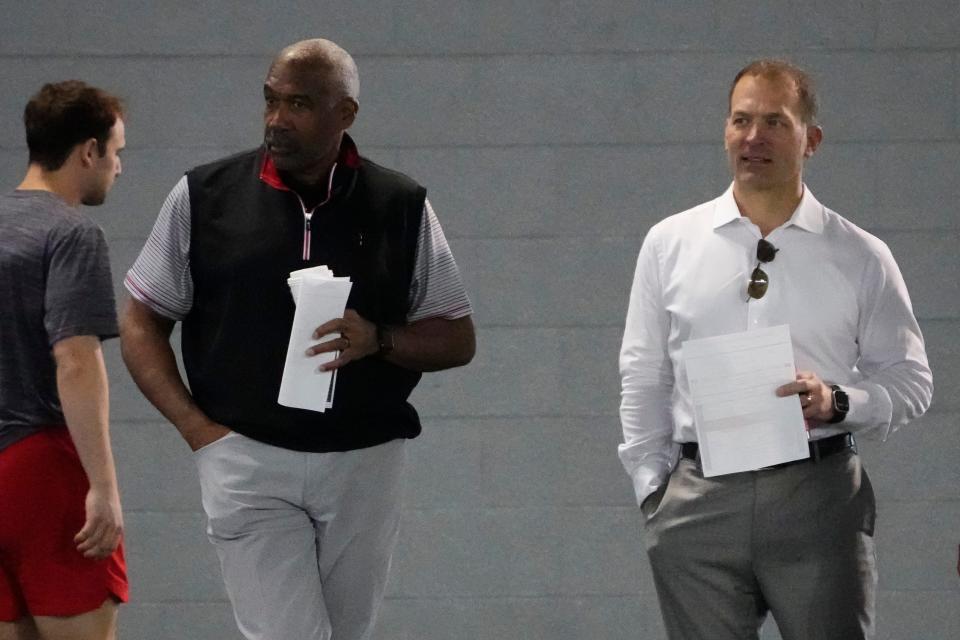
column 56, row 278
column 62, row 570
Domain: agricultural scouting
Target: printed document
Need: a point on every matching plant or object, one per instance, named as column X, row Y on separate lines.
column 741, row 423
column 319, row 297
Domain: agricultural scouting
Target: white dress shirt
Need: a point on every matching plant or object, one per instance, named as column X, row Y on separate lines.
column 837, row 286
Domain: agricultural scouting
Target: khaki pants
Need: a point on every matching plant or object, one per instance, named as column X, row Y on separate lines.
column 796, row 541
column 304, row 539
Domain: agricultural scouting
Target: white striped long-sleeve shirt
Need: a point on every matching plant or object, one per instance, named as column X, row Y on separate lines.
column 160, row 278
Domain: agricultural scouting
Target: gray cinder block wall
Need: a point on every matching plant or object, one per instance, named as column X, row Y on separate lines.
column 551, row 136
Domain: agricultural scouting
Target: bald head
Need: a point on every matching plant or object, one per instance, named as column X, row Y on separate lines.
column 332, row 65
column 310, row 100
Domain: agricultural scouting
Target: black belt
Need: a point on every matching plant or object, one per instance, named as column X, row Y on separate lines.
column 818, row 449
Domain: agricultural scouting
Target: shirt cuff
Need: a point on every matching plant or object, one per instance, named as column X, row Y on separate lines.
column 649, row 478
column 870, row 410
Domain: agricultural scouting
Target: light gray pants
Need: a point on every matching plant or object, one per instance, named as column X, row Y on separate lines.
column 797, row 541
column 304, row 539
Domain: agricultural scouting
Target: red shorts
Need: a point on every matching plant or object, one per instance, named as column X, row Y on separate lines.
column 43, row 490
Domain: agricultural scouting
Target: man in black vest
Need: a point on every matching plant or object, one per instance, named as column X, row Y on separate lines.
column 302, row 506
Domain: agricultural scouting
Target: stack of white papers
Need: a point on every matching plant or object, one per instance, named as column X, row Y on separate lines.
column 741, row 423
column 320, row 296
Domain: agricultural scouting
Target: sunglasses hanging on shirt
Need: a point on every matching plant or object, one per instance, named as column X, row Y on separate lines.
column 757, row 286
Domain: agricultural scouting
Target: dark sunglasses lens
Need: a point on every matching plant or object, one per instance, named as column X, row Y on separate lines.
column 758, row 284
column 766, row 252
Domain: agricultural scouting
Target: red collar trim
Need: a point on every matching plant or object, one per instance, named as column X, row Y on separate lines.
column 349, row 157
column 268, row 173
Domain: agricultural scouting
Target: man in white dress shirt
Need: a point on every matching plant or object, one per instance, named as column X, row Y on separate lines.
column 795, row 539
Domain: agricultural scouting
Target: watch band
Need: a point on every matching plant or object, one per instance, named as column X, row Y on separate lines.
column 384, row 339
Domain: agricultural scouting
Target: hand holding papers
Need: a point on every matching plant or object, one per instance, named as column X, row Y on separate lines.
column 319, row 296
column 741, row 424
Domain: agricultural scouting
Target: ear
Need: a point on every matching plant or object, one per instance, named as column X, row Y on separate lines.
column 814, row 138
column 348, row 109
column 89, row 152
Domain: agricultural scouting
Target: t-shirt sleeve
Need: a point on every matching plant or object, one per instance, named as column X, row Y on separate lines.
column 436, row 290
column 78, row 299
column 160, row 278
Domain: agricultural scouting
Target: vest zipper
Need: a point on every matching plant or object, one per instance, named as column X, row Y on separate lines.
column 307, row 215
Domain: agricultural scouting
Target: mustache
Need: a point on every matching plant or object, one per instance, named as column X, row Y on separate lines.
column 278, row 137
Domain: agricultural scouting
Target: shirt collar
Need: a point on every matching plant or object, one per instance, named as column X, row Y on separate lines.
column 348, row 157
column 808, row 215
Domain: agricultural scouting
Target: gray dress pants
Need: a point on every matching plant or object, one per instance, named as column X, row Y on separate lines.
column 304, row 539
column 796, row 541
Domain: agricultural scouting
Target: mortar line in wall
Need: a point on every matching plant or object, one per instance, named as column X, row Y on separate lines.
column 460, row 416
column 594, row 594
column 628, row 507
column 427, row 416
column 506, row 598
column 485, row 508
column 450, row 598
column 361, row 55
column 628, row 237
column 640, row 236
column 588, row 595
column 654, row 144
column 642, row 143
column 883, row 500
column 934, row 410
column 619, row 325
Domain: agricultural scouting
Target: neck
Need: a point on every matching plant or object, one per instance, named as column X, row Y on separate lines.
column 39, row 179
column 316, row 176
column 319, row 173
column 768, row 208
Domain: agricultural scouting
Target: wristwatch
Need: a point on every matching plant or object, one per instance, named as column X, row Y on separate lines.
column 384, row 339
column 841, row 404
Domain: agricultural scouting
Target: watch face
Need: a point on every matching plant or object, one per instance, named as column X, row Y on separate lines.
column 840, row 401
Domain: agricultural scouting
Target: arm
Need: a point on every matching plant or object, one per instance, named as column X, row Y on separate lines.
column 438, row 333
column 145, row 344
column 162, row 290
column 648, row 452
column 896, row 384
column 431, row 344
column 82, row 386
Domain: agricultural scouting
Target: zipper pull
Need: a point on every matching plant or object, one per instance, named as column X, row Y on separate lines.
column 306, row 237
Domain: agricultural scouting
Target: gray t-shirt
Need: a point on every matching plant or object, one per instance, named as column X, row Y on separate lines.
column 54, row 283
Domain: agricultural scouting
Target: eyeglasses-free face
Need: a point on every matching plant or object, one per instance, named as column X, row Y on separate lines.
column 757, row 286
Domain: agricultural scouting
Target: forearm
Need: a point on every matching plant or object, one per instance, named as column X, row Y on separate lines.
column 432, row 344
column 894, row 383
column 883, row 403
column 84, row 398
column 148, row 355
column 648, row 452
